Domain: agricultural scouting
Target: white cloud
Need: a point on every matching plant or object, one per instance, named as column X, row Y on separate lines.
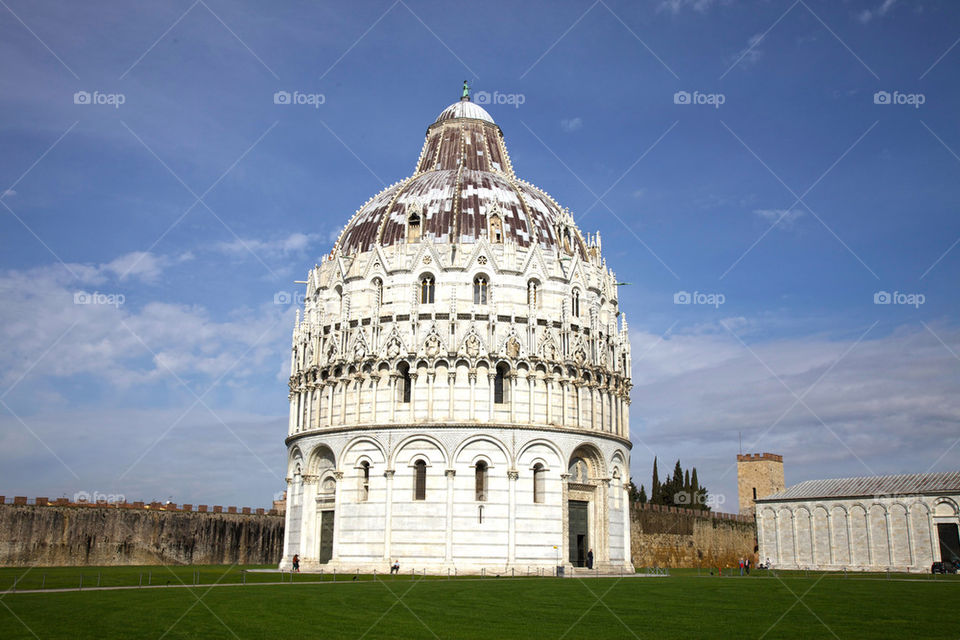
column 7, row 193
column 751, row 53
column 783, row 218
column 867, row 15
column 889, row 404
column 676, row 6
column 117, row 342
column 141, row 265
column 571, row 124
column 294, row 243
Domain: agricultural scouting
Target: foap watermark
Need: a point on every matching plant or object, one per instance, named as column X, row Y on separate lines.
column 896, row 97
column 485, row 97
column 699, row 297
column 112, row 299
column 289, row 297
column 299, row 98
column 98, row 498
column 98, row 98
column 899, row 297
column 696, row 97
column 698, row 499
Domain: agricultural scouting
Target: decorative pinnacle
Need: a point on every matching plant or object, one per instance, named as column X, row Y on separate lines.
column 465, row 95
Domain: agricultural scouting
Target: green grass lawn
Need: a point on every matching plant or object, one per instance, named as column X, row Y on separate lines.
column 680, row 606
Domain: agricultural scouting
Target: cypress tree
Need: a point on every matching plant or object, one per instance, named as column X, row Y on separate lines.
column 677, row 485
column 655, row 485
column 643, row 495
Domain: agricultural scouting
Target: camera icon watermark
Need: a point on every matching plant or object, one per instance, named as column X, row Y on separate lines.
column 895, row 97
column 97, row 98
column 691, row 499
column 299, row 98
column 112, row 299
column 899, row 298
column 699, row 297
column 514, row 99
column 96, row 497
column 696, row 97
column 285, row 298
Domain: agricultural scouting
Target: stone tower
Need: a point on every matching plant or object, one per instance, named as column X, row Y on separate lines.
column 758, row 475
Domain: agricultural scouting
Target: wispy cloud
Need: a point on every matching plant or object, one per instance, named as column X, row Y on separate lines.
column 867, row 15
column 571, row 124
column 676, row 6
column 292, row 244
column 782, row 217
column 751, row 53
column 701, row 387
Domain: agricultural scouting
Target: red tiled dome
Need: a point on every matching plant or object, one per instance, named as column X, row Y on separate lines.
column 462, row 179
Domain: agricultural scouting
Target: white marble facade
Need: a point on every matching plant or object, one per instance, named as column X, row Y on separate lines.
column 454, row 404
column 875, row 533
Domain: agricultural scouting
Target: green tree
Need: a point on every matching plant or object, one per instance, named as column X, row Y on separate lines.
column 655, row 484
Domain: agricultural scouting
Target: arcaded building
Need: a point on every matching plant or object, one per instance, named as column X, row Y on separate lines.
column 460, row 377
column 897, row 522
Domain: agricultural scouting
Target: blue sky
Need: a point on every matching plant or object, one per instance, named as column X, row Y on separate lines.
column 786, row 184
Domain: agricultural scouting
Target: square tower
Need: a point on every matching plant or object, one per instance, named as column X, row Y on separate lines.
column 758, row 476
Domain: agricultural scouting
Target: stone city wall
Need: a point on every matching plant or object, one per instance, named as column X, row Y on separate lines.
column 47, row 534
column 676, row 537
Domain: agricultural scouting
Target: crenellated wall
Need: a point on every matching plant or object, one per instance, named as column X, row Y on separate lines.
column 33, row 535
column 674, row 537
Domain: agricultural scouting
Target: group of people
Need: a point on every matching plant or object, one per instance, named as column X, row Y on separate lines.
column 744, row 565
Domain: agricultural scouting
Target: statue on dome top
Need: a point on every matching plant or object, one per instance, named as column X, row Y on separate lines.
column 466, row 92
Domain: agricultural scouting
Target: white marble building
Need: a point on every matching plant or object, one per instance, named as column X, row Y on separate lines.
column 460, row 378
column 899, row 522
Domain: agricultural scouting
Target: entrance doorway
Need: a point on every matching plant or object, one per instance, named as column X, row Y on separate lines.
column 326, row 536
column 949, row 542
column 579, row 541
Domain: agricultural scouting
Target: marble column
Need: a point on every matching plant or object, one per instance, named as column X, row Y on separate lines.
column 337, row 524
column 512, row 476
column 450, row 473
column 451, row 386
column 388, row 515
column 472, row 375
column 490, row 378
column 413, row 397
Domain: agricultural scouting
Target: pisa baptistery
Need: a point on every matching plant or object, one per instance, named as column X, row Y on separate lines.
column 460, row 378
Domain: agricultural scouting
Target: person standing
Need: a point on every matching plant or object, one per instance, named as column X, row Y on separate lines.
column 590, row 559
column 296, row 562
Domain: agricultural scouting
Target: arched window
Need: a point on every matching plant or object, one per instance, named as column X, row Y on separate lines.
column 533, row 294
column 413, row 228
column 496, row 229
column 405, row 382
column 538, row 478
column 499, row 384
column 364, row 481
column 420, row 480
column 480, row 290
column 427, row 289
column 377, row 292
column 481, row 481
column 576, row 303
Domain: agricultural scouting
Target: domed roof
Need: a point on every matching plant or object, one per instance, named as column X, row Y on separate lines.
column 463, row 189
column 464, row 109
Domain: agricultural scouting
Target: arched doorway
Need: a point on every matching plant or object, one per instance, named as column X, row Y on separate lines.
column 585, row 507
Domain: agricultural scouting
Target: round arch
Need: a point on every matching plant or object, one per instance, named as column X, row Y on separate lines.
column 415, row 437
